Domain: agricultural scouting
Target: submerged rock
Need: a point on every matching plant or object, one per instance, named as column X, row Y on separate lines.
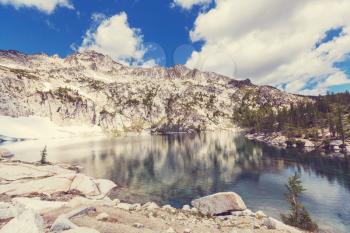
column 5, row 153
column 219, row 203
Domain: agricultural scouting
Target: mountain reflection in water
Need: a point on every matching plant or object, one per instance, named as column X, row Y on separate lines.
column 175, row 169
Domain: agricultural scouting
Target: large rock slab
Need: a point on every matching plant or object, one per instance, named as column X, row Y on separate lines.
column 20, row 179
column 8, row 210
column 105, row 186
column 59, row 183
column 85, row 185
column 27, row 222
column 219, row 203
column 38, row 206
column 14, row 171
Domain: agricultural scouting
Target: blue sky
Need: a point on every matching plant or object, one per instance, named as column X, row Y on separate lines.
column 32, row 31
column 293, row 47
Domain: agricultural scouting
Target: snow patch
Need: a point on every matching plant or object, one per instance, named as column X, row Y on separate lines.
column 34, row 127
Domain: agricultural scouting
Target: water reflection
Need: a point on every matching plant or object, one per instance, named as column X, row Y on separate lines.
column 178, row 168
column 165, row 168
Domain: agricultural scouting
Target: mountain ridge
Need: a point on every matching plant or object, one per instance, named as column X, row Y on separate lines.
column 91, row 88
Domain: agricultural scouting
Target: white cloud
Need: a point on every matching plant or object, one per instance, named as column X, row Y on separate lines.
column 98, row 17
column 273, row 41
column 113, row 36
column 188, row 4
column 47, row 6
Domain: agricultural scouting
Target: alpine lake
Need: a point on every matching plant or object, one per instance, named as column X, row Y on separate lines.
column 175, row 169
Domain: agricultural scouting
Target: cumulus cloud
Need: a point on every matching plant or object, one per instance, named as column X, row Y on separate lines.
column 114, row 37
column 274, row 42
column 47, row 6
column 188, row 4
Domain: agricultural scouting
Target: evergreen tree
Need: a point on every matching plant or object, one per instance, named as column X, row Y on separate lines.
column 43, row 159
column 330, row 112
column 298, row 216
column 340, row 127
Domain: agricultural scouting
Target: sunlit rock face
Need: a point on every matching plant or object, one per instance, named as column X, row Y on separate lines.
column 93, row 89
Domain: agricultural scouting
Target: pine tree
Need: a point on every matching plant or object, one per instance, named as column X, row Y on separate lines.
column 43, row 159
column 299, row 216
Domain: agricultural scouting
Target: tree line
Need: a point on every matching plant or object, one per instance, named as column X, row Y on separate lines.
column 315, row 119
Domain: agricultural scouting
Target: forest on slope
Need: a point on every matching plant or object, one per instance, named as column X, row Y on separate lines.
column 322, row 120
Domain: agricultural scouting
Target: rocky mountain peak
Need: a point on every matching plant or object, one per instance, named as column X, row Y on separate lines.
column 92, row 59
column 10, row 53
column 90, row 88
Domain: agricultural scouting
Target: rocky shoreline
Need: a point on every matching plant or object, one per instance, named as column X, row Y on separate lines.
column 278, row 140
column 37, row 198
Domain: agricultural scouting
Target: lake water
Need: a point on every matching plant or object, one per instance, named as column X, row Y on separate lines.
column 178, row 168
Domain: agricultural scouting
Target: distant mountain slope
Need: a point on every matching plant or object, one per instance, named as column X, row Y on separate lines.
column 90, row 88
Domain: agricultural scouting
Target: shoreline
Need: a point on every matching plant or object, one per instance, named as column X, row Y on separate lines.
column 48, row 192
column 276, row 140
column 279, row 141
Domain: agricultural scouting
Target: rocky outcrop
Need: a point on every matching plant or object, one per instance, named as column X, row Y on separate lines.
column 12, row 171
column 63, row 222
column 329, row 148
column 25, row 179
column 81, row 212
column 219, row 203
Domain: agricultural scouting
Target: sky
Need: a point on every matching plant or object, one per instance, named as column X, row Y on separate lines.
column 298, row 46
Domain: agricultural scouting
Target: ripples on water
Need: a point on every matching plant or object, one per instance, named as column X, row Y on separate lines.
column 178, row 168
